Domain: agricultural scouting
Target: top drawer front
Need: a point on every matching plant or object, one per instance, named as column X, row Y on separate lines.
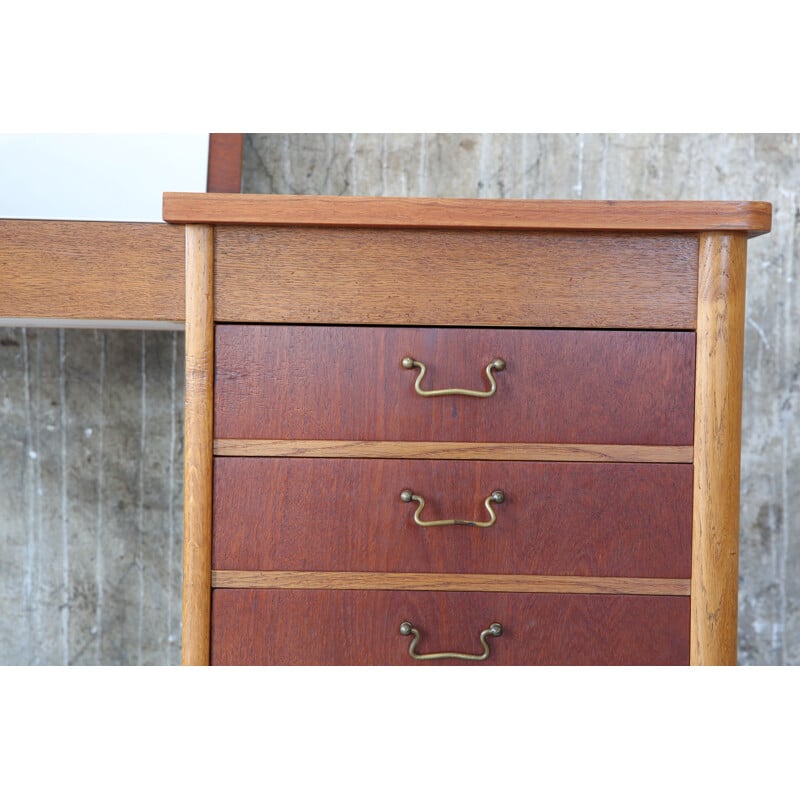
column 570, row 387
column 358, row 276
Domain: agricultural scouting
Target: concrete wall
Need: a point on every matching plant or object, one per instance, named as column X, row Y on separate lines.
column 90, row 436
column 91, row 507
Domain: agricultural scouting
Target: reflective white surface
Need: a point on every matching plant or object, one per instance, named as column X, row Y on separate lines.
column 115, row 177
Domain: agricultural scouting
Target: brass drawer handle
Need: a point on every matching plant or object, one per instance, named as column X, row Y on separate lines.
column 496, row 496
column 497, row 364
column 407, row 629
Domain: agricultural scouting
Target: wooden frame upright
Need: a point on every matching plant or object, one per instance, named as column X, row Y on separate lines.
column 198, row 446
column 717, row 445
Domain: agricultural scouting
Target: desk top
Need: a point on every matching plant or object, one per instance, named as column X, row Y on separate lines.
column 121, row 274
column 754, row 218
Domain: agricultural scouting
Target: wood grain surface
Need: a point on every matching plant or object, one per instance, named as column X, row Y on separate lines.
column 198, row 444
column 488, row 451
column 717, row 443
column 274, row 626
column 455, row 277
column 92, row 270
column 557, row 519
column 752, row 217
column 446, row 582
column 224, row 172
column 572, row 387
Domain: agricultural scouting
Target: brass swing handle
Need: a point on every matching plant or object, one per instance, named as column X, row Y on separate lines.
column 407, row 629
column 495, row 497
column 497, row 364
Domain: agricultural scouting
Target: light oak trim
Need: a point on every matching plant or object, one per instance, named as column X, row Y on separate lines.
column 443, row 582
column 91, row 270
column 199, row 432
column 717, row 442
column 454, row 450
column 401, row 212
column 109, row 324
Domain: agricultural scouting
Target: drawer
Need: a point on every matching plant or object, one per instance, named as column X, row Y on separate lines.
column 590, row 519
column 320, row 627
column 512, row 278
column 348, row 383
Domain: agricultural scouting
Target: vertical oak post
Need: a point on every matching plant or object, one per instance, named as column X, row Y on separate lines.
column 198, row 444
column 717, row 439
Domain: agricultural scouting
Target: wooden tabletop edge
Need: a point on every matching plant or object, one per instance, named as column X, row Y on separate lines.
column 119, row 223
column 753, row 217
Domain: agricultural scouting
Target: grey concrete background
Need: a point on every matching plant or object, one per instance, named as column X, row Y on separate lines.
column 91, row 429
column 91, row 508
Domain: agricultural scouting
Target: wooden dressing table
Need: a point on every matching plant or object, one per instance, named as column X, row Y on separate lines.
column 585, row 454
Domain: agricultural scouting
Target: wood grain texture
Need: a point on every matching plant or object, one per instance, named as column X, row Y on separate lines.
column 718, row 415
column 558, row 519
column 423, row 212
column 455, row 277
column 573, row 387
column 224, row 172
column 198, row 444
column 447, row 582
column 488, row 451
column 92, row 270
column 274, row 626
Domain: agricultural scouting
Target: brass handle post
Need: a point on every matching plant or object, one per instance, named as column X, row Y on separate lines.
column 407, row 629
column 496, row 364
column 496, row 496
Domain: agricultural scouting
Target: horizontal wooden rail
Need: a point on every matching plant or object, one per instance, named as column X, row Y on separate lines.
column 242, row 579
column 454, row 450
column 98, row 271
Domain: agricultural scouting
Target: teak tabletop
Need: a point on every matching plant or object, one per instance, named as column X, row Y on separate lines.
column 122, row 274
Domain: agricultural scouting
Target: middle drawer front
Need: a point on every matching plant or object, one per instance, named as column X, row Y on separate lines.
column 557, row 518
column 565, row 386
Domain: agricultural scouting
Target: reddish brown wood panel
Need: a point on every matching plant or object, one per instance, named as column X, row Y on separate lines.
column 558, row 519
column 589, row 387
column 455, row 277
column 753, row 217
column 320, row 627
column 225, row 162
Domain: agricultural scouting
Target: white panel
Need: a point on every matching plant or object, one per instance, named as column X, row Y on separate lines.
column 114, row 177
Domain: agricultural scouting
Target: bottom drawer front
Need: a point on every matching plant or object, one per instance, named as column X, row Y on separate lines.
column 353, row 627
